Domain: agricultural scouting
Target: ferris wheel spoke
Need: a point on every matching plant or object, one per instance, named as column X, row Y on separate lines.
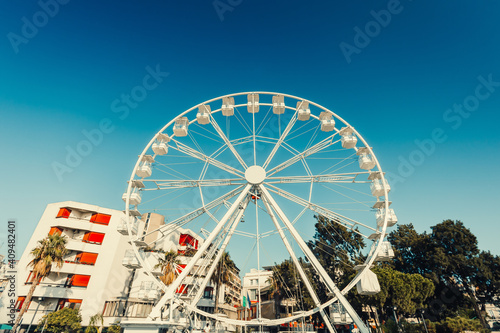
column 325, row 143
column 181, row 221
column 349, row 177
column 281, row 139
column 180, row 147
column 220, row 252
column 336, row 217
column 226, row 140
column 297, row 264
column 167, row 184
column 170, row 290
column 310, row 256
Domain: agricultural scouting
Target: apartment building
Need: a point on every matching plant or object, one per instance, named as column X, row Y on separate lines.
column 92, row 268
column 101, row 273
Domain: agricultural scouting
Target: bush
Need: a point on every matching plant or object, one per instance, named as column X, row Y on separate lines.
column 64, row 320
column 459, row 324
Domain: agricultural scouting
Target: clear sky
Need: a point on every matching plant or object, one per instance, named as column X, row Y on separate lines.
column 397, row 71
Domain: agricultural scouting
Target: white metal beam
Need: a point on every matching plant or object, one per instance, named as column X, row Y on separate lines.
column 303, row 275
column 314, row 261
column 170, row 291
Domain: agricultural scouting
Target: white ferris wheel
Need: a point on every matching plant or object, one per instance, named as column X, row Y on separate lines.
column 248, row 172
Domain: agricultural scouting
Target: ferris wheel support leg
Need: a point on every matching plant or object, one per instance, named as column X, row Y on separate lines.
column 299, row 267
column 221, row 252
column 314, row 261
column 170, row 292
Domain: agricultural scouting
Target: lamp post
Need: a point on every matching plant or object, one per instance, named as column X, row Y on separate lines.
column 425, row 325
column 396, row 318
column 40, row 300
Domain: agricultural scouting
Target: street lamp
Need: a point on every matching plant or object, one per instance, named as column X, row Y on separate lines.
column 396, row 318
column 425, row 325
column 40, row 300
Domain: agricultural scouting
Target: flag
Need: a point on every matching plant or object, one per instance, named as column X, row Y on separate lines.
column 248, row 301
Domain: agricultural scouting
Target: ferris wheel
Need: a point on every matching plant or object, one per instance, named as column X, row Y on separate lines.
column 248, row 172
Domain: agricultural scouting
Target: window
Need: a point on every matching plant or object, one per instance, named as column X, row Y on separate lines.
column 86, row 258
column 31, row 278
column 68, row 303
column 63, row 213
column 186, row 239
column 19, row 303
column 80, row 280
column 183, row 289
column 208, row 293
column 100, row 218
column 93, row 237
column 55, row 230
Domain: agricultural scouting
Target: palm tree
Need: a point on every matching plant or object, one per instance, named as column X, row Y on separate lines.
column 95, row 323
column 168, row 266
column 222, row 275
column 50, row 250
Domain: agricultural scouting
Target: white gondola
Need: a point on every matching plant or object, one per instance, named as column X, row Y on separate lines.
column 278, row 104
column 303, row 111
column 348, row 139
column 203, row 115
column 181, row 126
column 122, row 227
column 135, row 198
column 144, row 169
column 160, row 147
column 366, row 161
column 386, row 252
column 327, row 123
column 368, row 284
column 253, row 103
column 227, row 106
column 130, row 260
column 392, row 219
column 339, row 315
column 377, row 187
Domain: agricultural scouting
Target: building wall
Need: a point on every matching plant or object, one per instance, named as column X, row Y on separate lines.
column 254, row 279
column 105, row 275
column 117, row 285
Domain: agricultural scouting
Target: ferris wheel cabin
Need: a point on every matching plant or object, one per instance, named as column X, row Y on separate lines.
column 303, row 111
column 181, row 126
column 203, row 115
column 348, row 139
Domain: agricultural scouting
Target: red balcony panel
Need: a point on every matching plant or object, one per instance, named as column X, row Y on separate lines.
column 64, row 213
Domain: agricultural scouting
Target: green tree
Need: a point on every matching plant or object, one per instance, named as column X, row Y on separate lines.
column 115, row 328
column 407, row 292
column 463, row 276
column 96, row 323
column 222, row 275
column 50, row 250
column 64, row 320
column 168, row 266
column 456, row 258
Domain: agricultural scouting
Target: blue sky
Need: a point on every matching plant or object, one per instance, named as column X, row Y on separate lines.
column 396, row 88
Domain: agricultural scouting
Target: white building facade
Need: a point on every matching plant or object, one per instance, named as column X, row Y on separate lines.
column 101, row 274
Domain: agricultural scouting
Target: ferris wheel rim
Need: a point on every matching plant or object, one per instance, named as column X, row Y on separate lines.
column 378, row 241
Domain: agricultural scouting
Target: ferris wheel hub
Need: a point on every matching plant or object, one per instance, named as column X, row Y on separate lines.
column 255, row 174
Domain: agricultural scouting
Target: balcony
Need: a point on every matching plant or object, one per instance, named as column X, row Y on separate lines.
column 71, row 267
column 57, row 290
column 77, row 244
